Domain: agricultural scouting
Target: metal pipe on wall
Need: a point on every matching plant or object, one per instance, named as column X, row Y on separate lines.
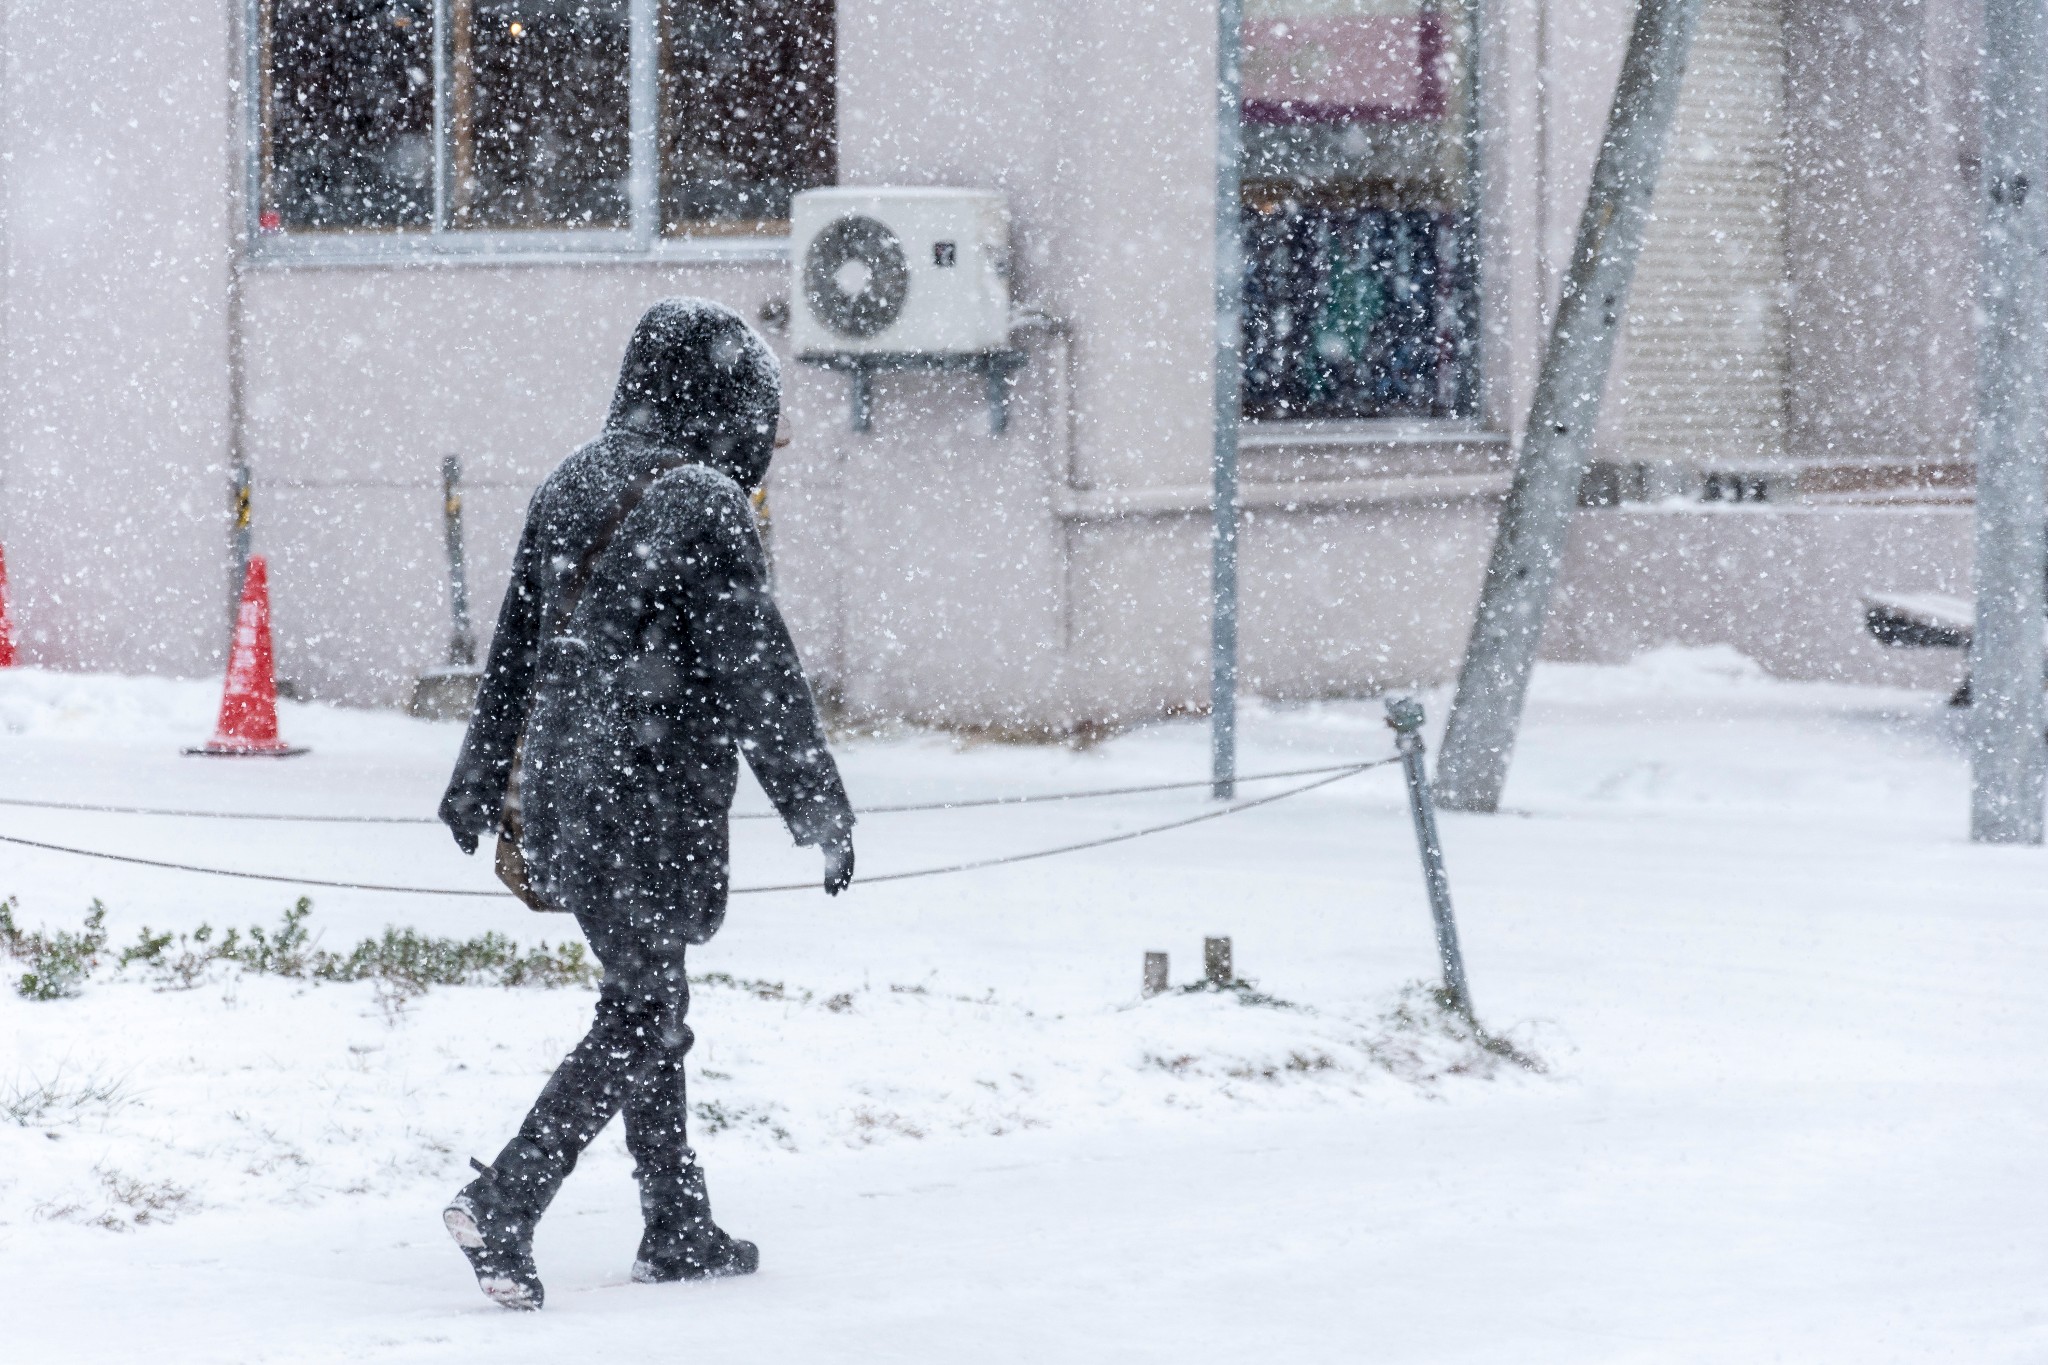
column 240, row 507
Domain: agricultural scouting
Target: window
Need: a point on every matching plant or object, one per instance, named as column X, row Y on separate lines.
column 466, row 124
column 1359, row 291
column 349, row 99
column 747, row 110
column 539, row 121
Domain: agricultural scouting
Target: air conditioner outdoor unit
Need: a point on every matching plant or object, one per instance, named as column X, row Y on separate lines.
column 899, row 272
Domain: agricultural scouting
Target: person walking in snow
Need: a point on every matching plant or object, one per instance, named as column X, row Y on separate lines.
column 638, row 655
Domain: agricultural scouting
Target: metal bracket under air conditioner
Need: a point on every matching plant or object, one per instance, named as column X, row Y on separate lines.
column 998, row 371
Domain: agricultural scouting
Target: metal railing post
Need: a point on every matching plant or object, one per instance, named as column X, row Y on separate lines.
column 1404, row 715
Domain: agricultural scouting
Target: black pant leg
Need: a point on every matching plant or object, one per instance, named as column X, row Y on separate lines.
column 632, row 1057
column 656, row 1100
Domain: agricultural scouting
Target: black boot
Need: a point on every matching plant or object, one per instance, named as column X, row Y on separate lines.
column 494, row 1228
column 681, row 1242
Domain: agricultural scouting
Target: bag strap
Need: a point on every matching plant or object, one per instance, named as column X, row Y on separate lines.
column 572, row 592
column 579, row 577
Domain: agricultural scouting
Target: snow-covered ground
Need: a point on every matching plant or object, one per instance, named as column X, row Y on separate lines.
column 1790, row 1019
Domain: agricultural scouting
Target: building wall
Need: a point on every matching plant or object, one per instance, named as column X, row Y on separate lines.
column 925, row 551
column 1052, row 576
column 113, row 381
column 1882, row 188
column 1782, row 584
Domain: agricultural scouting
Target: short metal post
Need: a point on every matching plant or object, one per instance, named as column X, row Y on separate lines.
column 462, row 640
column 1216, row 966
column 1155, row 974
column 1404, row 714
column 863, row 397
column 996, row 379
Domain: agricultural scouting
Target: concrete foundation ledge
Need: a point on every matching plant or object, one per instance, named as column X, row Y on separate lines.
column 1192, row 500
column 1783, row 583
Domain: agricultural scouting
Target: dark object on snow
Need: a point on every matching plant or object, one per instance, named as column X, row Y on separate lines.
column 639, row 654
column 1216, row 968
column 1918, row 620
column 673, row 662
column 497, row 1236
column 1922, row 620
column 444, row 692
column 681, row 1241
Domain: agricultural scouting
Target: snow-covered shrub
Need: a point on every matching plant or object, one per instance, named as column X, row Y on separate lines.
column 408, row 957
column 182, row 960
column 122, row 1203
column 58, row 963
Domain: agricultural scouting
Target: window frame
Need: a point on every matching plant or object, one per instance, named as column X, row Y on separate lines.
column 641, row 241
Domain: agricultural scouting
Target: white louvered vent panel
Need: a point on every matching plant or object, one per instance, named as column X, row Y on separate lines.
column 1704, row 374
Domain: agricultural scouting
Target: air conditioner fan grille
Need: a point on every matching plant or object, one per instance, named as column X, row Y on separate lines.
column 878, row 302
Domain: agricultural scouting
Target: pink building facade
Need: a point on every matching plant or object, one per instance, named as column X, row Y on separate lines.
column 330, row 248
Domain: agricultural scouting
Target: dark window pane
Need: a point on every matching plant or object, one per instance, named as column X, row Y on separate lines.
column 538, row 126
column 748, row 110
column 1358, row 286
column 1351, row 312
column 348, row 114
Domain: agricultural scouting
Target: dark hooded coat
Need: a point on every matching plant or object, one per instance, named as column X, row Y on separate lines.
column 674, row 660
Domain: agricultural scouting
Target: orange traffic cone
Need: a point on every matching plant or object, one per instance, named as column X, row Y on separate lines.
column 248, row 707
column 6, row 622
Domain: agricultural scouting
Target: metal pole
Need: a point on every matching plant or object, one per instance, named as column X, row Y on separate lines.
column 2007, row 758
column 239, row 511
column 1229, row 399
column 462, row 641
column 643, row 104
column 1404, row 714
column 238, row 540
column 1565, row 412
column 246, row 107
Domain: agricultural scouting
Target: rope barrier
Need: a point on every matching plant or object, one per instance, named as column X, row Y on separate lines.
column 1103, row 842
column 973, row 866
column 219, row 814
column 972, row 803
